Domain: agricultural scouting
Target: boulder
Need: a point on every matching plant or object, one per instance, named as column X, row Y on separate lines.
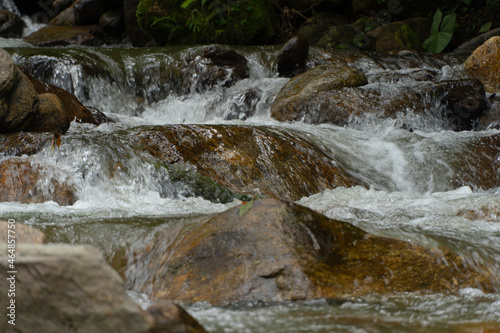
column 22, row 143
column 65, row 17
column 345, row 36
column 299, row 94
column 291, row 59
column 244, row 105
column 400, row 35
column 58, row 6
column 75, row 110
column 477, row 164
column 171, row 318
column 273, row 251
column 484, row 64
column 24, row 234
column 11, row 25
column 70, row 288
column 52, row 115
column 19, row 180
column 491, row 118
column 248, row 159
column 22, row 104
column 211, row 67
column 316, row 26
column 465, row 101
column 59, row 35
column 332, row 93
column 8, row 75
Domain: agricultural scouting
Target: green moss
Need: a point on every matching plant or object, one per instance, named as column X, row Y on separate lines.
column 405, row 36
column 202, row 186
column 174, row 22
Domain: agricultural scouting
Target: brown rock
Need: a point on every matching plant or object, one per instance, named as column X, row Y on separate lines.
column 66, row 35
column 22, row 143
column 19, row 182
column 8, row 73
column 74, row 108
column 297, row 96
column 335, row 93
column 65, row 17
column 400, row 35
column 248, row 159
column 465, row 101
column 24, row 234
column 484, row 64
column 64, row 288
column 22, row 103
column 477, row 163
column 52, row 116
column 292, row 57
column 279, row 252
column 171, row 318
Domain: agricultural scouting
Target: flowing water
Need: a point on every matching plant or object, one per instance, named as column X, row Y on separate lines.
column 124, row 200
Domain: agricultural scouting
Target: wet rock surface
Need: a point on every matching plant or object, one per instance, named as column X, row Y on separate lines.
column 65, row 287
column 74, row 109
column 22, row 181
column 51, row 115
column 17, row 144
column 60, row 35
column 484, row 64
column 248, row 159
column 24, row 234
column 291, row 59
column 211, row 67
column 332, row 93
column 274, row 251
column 22, row 103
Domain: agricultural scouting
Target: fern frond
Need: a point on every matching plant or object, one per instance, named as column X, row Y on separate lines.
column 187, row 4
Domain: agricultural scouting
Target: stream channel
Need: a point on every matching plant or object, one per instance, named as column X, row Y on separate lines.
column 411, row 194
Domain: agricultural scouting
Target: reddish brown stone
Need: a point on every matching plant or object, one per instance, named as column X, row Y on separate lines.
column 245, row 159
column 278, row 252
column 18, row 182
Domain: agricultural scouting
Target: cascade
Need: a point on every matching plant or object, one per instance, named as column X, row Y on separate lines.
column 410, row 168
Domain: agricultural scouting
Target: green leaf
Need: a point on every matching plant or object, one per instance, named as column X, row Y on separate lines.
column 246, row 207
column 441, row 32
column 467, row 2
column 485, row 27
column 187, row 3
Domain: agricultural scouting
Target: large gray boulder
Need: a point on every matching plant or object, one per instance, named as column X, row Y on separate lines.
column 70, row 288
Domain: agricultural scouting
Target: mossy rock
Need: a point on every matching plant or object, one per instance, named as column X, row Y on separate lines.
column 172, row 22
column 201, row 186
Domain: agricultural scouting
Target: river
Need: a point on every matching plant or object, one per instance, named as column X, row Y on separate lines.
column 412, row 194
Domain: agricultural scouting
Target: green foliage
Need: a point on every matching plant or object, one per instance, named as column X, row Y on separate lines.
column 171, row 22
column 441, row 32
column 485, row 27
